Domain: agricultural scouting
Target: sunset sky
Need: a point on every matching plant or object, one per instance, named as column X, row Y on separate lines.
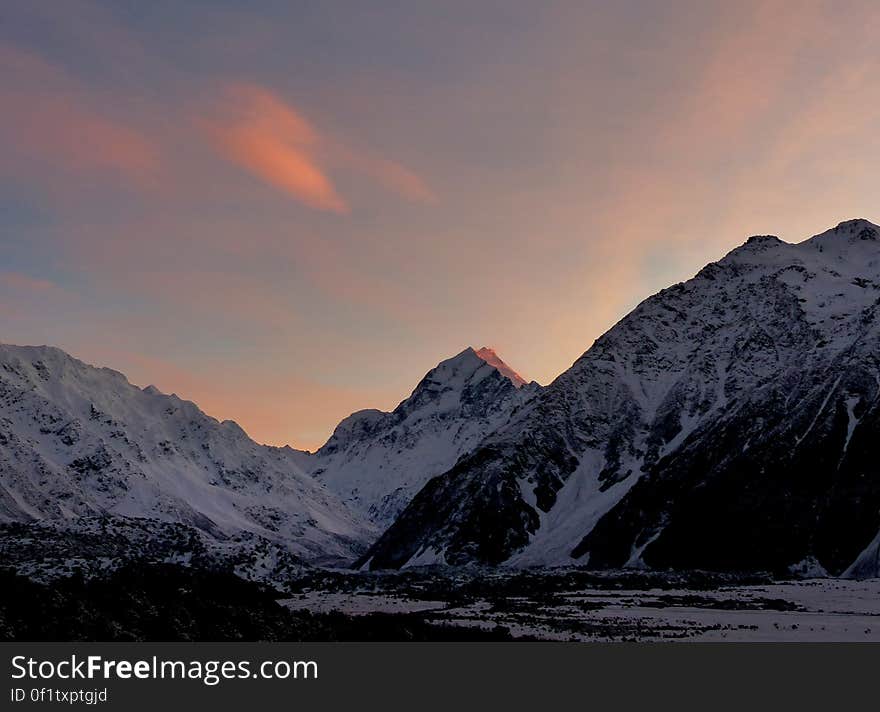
column 288, row 211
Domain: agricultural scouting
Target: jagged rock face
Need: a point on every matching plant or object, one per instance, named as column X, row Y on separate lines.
column 727, row 422
column 78, row 441
column 377, row 461
column 788, row 476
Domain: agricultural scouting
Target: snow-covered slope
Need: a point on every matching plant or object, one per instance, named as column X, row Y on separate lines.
column 727, row 422
column 78, row 441
column 377, row 461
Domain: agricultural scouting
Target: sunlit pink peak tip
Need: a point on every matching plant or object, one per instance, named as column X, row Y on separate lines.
column 489, row 356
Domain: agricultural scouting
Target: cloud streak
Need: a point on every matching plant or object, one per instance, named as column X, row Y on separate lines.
column 254, row 128
column 274, row 142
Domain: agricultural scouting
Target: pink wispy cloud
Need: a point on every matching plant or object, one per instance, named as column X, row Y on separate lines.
column 260, row 133
column 390, row 175
column 257, row 130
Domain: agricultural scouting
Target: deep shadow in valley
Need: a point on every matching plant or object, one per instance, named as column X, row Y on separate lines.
column 164, row 602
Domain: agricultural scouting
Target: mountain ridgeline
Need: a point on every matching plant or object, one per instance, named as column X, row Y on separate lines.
column 727, row 423
column 80, row 444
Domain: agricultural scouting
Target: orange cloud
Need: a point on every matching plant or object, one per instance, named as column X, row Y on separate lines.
column 49, row 118
column 263, row 135
column 258, row 131
column 391, row 175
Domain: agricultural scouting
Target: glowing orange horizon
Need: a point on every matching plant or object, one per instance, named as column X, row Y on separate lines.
column 286, row 227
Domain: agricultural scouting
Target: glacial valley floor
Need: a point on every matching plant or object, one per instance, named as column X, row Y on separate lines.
column 622, row 606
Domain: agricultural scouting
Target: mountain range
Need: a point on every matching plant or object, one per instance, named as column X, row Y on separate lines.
column 728, row 423
column 79, row 442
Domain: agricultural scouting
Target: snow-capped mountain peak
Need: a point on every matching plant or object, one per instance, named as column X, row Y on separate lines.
column 376, row 461
column 493, row 359
column 447, row 385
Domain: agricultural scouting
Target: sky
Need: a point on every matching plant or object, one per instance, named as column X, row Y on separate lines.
column 289, row 211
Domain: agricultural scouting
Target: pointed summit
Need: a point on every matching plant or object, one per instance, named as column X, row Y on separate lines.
column 493, row 359
column 377, row 461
